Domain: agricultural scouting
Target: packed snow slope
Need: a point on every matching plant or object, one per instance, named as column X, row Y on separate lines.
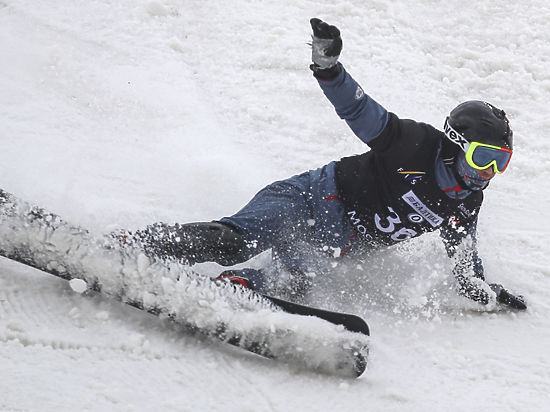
column 119, row 114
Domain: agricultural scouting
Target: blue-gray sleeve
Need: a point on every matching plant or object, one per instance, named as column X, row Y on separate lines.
column 468, row 269
column 363, row 114
column 454, row 236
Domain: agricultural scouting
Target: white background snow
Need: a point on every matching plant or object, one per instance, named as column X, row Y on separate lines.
column 119, row 114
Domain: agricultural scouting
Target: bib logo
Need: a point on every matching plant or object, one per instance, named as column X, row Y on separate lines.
column 411, row 176
column 413, row 201
column 464, row 211
column 358, row 225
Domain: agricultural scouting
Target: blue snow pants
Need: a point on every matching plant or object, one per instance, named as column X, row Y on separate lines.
column 295, row 217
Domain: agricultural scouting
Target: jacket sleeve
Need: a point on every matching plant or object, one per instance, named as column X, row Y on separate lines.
column 364, row 115
column 460, row 243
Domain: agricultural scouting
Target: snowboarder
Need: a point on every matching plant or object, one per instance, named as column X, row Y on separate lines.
column 415, row 179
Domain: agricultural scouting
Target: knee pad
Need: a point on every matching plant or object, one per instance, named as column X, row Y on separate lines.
column 213, row 242
column 192, row 242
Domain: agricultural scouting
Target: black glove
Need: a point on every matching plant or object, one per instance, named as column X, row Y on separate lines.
column 326, row 45
column 506, row 298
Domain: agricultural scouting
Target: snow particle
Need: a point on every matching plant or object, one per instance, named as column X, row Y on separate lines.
column 143, row 263
column 343, row 385
column 155, row 9
column 176, row 44
column 102, row 315
column 74, row 313
column 78, row 285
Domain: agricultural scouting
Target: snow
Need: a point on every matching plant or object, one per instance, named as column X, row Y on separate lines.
column 78, row 285
column 119, row 114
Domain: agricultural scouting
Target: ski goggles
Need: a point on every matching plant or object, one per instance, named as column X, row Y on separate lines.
column 481, row 156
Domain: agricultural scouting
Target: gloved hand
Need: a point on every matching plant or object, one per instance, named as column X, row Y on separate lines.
column 506, row 298
column 326, row 45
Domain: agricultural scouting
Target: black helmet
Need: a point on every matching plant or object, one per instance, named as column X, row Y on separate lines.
column 478, row 121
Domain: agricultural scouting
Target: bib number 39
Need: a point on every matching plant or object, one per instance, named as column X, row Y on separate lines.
column 387, row 225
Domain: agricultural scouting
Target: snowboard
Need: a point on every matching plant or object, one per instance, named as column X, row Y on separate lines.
column 306, row 337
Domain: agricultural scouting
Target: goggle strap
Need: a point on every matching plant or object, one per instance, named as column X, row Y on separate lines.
column 455, row 137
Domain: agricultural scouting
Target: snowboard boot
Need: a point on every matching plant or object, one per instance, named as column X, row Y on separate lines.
column 245, row 278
